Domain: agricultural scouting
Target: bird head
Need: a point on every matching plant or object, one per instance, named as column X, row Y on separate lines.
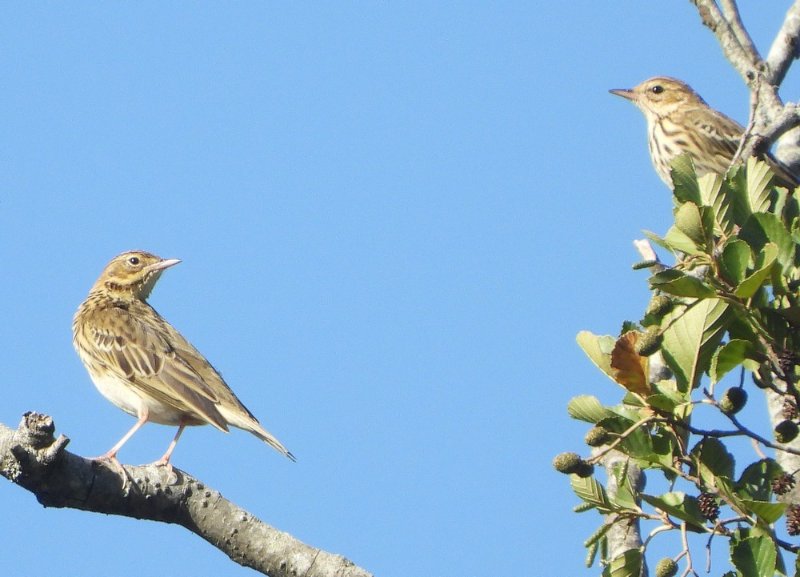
column 661, row 96
column 132, row 275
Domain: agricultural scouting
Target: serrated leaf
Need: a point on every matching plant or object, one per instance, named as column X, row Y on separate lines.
column 591, row 491
column 625, row 497
column 689, row 221
column 684, row 180
column 678, row 505
column 759, row 177
column 732, row 354
column 765, row 261
column 655, row 239
column 587, row 408
column 691, row 336
column 713, row 460
column 754, row 556
column 715, row 195
column 628, row 564
column 766, row 227
column 678, row 283
column 755, row 481
column 636, row 444
column 598, row 348
column 734, row 260
column 678, row 241
column 767, row 511
column 748, row 190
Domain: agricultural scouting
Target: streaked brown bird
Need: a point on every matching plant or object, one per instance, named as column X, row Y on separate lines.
column 139, row 362
column 679, row 121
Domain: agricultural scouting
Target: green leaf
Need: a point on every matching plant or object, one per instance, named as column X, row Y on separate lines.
column 678, row 505
column 628, row 564
column 764, row 263
column 765, row 227
column 759, row 177
column 749, row 190
column 767, row 511
column 591, row 491
column 691, row 336
column 678, row 241
column 689, row 221
column 587, row 408
column 678, row 283
column 734, row 260
column 625, row 498
column 754, row 556
column 684, row 180
column 755, row 482
column 731, row 355
column 655, row 239
column 713, row 460
column 636, row 444
column 716, row 195
column 598, row 349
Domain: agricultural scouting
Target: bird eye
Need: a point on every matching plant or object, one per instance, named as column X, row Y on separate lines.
column 134, row 260
column 657, row 89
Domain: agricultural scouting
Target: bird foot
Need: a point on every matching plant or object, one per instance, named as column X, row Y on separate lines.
column 113, row 463
column 172, row 475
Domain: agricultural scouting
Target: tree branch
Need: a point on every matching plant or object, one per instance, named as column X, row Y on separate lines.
column 732, row 37
column 34, row 459
column 769, row 119
column 786, row 47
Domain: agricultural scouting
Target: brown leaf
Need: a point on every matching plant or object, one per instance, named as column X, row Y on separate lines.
column 628, row 368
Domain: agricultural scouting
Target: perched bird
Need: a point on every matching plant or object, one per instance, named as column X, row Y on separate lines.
column 139, row 362
column 679, row 121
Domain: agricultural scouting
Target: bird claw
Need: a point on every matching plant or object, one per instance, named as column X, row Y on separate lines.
column 172, row 474
column 115, row 465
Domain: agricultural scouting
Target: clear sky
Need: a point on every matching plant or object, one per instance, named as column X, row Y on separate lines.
column 393, row 218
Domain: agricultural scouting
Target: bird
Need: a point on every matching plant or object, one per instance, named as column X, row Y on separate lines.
column 144, row 366
column 679, row 121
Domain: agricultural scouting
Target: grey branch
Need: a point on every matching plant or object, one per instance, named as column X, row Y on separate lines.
column 732, row 37
column 785, row 48
column 34, row 459
column 770, row 119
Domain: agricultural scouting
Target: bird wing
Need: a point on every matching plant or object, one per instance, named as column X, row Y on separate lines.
column 200, row 365
column 724, row 131
column 137, row 347
column 727, row 134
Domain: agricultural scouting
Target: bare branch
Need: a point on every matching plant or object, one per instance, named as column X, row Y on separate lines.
column 731, row 12
column 32, row 458
column 743, row 56
column 769, row 118
column 786, row 46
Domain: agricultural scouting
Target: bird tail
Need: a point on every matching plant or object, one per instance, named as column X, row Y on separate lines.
column 270, row 440
column 244, row 421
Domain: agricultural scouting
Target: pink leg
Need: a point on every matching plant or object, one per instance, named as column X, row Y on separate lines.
column 165, row 459
column 112, row 453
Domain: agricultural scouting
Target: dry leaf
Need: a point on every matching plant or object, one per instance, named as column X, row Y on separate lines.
column 629, row 368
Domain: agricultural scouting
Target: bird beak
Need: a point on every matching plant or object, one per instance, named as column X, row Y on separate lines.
column 161, row 265
column 625, row 93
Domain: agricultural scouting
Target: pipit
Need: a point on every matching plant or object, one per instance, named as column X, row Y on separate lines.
column 679, row 121
column 143, row 365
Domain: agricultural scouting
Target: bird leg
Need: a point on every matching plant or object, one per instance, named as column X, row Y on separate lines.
column 164, row 460
column 112, row 453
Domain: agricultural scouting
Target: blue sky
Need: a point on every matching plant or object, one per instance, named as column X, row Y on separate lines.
column 393, row 220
